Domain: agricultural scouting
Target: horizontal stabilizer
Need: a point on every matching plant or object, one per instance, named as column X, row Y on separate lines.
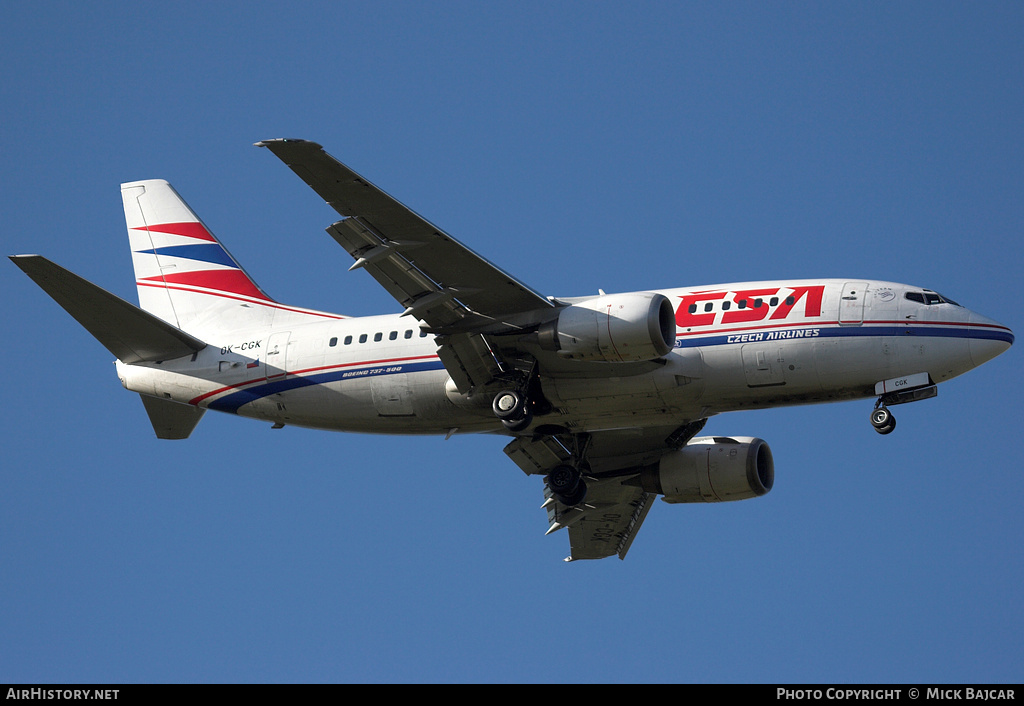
column 131, row 334
column 170, row 419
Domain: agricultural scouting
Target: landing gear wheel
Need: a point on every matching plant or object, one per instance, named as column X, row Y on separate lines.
column 511, row 407
column 518, row 424
column 509, row 404
column 567, row 485
column 883, row 421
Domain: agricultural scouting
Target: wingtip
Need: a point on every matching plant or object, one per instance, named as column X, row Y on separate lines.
column 286, row 140
column 23, row 261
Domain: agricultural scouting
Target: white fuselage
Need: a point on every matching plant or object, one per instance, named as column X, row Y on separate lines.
column 738, row 346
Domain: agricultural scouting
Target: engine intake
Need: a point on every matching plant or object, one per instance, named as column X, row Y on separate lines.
column 614, row 328
column 712, row 469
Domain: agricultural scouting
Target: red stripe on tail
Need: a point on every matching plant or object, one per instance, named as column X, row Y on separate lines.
column 189, row 230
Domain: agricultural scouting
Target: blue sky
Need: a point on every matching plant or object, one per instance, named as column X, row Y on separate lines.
column 579, row 146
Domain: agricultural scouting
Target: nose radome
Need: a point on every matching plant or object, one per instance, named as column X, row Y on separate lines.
column 988, row 339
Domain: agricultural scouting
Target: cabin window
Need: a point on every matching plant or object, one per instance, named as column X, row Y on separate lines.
column 408, row 334
column 758, row 303
column 774, row 301
column 693, row 308
column 423, row 334
column 790, row 300
column 377, row 337
column 348, row 340
column 726, row 305
column 742, row 303
column 333, row 342
column 393, row 336
column 362, row 338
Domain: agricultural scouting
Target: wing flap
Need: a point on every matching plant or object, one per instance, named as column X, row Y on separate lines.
column 131, row 334
column 606, row 523
column 383, row 259
column 468, row 360
column 536, row 456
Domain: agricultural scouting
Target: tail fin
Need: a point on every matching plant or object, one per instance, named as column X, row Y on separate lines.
column 183, row 274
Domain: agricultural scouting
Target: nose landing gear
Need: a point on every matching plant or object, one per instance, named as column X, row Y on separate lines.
column 909, row 388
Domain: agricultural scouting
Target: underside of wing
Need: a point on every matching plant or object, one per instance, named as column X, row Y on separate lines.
column 610, row 504
column 457, row 294
column 606, row 525
column 434, row 277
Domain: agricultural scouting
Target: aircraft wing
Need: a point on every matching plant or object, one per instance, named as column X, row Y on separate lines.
column 437, row 279
column 607, row 521
column 459, row 295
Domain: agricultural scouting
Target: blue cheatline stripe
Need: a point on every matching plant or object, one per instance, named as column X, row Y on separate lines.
column 212, row 253
column 803, row 333
column 232, row 402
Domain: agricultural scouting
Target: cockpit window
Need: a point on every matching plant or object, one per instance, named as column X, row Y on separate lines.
column 929, row 297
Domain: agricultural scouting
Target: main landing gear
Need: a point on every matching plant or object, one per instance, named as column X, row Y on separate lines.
column 517, row 406
column 513, row 409
column 516, row 409
column 567, row 485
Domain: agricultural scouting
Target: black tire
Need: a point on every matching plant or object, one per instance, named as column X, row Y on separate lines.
column 563, row 480
column 508, row 404
column 575, row 498
column 888, row 428
column 882, row 418
column 518, row 424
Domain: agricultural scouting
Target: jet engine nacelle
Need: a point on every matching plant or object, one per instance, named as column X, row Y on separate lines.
column 613, row 328
column 712, row 469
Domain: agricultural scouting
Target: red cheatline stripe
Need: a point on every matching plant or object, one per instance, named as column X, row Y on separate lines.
column 189, row 230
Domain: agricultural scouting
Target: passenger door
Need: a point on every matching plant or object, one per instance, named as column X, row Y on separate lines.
column 851, row 304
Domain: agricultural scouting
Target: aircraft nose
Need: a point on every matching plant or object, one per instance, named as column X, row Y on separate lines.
column 988, row 338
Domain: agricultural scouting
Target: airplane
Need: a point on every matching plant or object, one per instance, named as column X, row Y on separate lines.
column 601, row 396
